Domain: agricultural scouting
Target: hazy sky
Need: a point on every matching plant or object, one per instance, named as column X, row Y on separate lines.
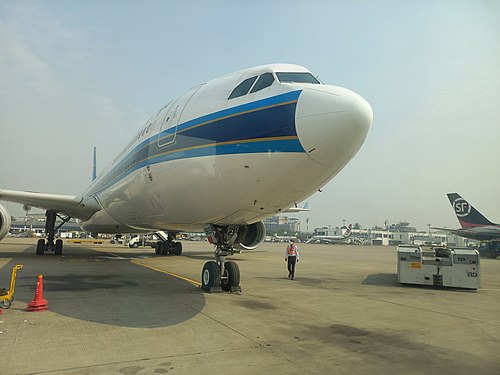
column 74, row 74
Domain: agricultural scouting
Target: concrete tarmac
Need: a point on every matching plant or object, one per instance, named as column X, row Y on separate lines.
column 115, row 310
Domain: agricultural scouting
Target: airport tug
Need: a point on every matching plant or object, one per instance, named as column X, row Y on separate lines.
column 439, row 266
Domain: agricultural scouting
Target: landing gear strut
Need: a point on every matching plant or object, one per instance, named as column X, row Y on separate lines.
column 221, row 274
column 167, row 245
column 50, row 232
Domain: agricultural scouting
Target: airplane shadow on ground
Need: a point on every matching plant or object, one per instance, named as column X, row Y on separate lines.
column 82, row 284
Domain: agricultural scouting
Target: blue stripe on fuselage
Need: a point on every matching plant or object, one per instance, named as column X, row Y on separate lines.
column 241, row 109
column 270, row 145
column 266, row 125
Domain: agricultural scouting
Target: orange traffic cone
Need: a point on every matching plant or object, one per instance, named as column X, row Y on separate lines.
column 38, row 303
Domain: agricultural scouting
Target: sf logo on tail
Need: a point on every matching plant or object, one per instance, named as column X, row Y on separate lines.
column 462, row 207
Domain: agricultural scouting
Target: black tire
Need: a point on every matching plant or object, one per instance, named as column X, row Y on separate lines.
column 158, row 248
column 40, row 246
column 210, row 276
column 164, row 248
column 488, row 255
column 135, row 245
column 231, row 276
column 5, row 304
column 178, row 248
column 58, row 247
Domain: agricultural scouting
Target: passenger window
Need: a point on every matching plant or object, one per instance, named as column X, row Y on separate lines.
column 242, row 88
column 265, row 80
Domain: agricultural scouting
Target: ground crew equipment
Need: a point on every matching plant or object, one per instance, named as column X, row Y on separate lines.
column 439, row 266
column 7, row 296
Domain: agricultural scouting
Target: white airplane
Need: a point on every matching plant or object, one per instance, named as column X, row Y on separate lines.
column 332, row 239
column 219, row 158
column 276, row 238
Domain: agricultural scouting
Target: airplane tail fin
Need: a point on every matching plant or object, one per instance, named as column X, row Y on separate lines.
column 94, row 165
column 348, row 231
column 467, row 215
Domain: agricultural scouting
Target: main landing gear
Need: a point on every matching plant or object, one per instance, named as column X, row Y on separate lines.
column 167, row 245
column 50, row 231
column 221, row 274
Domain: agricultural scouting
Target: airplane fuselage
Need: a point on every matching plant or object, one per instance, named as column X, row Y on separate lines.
column 479, row 233
column 207, row 158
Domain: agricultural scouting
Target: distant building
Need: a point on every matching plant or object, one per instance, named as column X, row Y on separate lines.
column 282, row 224
column 402, row 227
column 394, row 238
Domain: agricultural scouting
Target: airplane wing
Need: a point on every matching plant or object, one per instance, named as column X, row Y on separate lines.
column 443, row 229
column 70, row 205
column 452, row 231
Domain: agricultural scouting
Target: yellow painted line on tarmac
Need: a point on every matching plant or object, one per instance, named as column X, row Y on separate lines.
column 166, row 272
column 196, row 283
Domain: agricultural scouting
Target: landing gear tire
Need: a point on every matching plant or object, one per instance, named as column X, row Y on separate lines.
column 231, row 277
column 58, row 247
column 210, row 276
column 177, row 248
column 164, row 248
column 161, row 248
column 40, row 247
column 158, row 248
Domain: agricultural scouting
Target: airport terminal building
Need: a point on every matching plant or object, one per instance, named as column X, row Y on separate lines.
column 394, row 238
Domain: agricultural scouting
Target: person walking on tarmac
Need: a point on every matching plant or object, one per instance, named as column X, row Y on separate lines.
column 291, row 256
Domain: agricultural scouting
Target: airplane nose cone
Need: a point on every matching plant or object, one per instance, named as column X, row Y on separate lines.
column 332, row 124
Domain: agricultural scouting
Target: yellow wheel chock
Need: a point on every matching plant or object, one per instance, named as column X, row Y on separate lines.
column 7, row 296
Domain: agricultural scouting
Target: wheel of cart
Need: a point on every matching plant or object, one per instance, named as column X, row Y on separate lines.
column 5, row 304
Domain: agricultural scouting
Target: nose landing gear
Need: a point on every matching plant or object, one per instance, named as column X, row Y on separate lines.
column 221, row 275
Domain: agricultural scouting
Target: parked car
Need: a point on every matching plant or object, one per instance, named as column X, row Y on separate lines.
column 117, row 240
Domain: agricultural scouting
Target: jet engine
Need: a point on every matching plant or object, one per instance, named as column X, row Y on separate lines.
column 4, row 221
column 250, row 236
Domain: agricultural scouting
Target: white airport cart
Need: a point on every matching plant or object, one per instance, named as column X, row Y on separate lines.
column 439, row 266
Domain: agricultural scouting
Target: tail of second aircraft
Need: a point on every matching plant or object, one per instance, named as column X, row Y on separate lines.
column 467, row 215
column 348, row 231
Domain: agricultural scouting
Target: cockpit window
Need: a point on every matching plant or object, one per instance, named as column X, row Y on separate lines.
column 296, row 77
column 242, row 88
column 265, row 80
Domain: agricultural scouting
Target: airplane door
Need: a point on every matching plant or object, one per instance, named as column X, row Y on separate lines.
column 170, row 121
column 168, row 131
